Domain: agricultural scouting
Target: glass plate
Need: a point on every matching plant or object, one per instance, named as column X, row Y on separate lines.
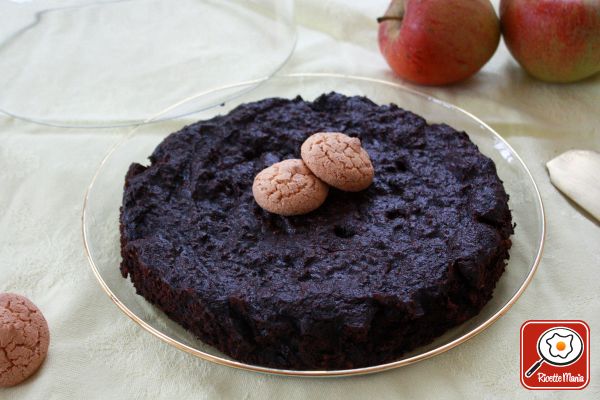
column 100, row 217
column 98, row 63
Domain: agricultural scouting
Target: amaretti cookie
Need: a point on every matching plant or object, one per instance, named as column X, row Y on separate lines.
column 338, row 160
column 24, row 339
column 289, row 188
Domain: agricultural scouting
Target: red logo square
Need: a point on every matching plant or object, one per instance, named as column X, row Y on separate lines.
column 555, row 355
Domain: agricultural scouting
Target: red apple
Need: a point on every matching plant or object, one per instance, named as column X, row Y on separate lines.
column 437, row 42
column 553, row 40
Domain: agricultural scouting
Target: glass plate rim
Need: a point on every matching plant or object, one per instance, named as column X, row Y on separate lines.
column 293, row 43
column 316, row 373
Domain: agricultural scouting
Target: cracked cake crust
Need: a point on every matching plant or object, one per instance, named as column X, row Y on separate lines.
column 359, row 281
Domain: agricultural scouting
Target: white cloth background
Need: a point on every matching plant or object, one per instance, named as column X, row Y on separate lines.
column 96, row 352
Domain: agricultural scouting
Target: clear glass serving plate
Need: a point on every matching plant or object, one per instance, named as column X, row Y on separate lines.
column 98, row 63
column 100, row 217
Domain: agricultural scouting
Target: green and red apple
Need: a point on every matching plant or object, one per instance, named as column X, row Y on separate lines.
column 553, row 40
column 438, row 42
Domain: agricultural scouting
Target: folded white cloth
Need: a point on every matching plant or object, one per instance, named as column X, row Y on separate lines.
column 576, row 173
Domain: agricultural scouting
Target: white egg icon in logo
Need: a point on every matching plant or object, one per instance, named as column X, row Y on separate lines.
column 560, row 346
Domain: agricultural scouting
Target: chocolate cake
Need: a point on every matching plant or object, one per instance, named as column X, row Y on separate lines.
column 361, row 280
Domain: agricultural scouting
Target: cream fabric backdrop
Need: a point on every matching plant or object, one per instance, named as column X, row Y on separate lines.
column 96, row 352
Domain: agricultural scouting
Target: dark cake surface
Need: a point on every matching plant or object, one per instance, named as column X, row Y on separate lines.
column 361, row 280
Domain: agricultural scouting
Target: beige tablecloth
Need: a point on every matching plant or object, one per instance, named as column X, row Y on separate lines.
column 96, row 352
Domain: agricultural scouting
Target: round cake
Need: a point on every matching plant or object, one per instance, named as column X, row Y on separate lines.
column 361, row 280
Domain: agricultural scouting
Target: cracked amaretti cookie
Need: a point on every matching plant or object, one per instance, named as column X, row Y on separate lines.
column 361, row 280
column 289, row 188
column 24, row 339
column 339, row 160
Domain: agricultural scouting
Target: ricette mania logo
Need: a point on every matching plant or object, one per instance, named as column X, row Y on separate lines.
column 555, row 355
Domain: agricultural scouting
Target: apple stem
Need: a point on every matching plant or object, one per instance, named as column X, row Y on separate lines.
column 389, row 18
